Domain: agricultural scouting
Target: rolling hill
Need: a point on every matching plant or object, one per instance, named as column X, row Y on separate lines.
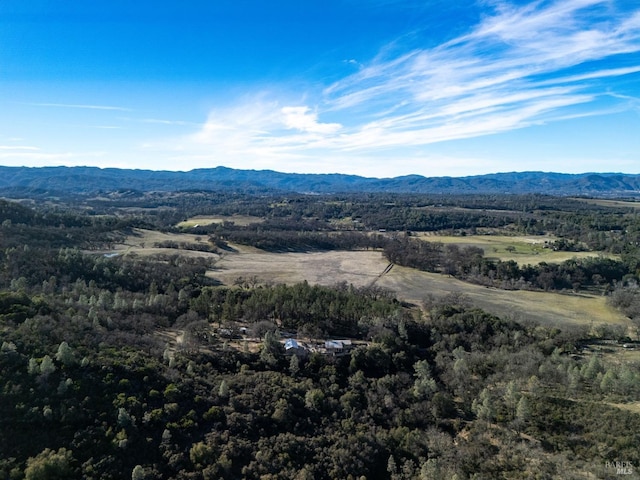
column 52, row 181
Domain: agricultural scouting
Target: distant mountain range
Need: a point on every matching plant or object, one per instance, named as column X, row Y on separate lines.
column 56, row 181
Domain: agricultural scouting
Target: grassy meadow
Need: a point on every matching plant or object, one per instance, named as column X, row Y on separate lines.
column 611, row 203
column 365, row 268
column 525, row 250
column 240, row 220
column 143, row 242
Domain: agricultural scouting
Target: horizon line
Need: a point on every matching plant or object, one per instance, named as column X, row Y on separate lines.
column 223, row 167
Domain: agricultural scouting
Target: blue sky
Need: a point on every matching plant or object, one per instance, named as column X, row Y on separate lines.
column 370, row 87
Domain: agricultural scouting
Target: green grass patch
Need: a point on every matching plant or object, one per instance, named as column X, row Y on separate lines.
column 525, row 250
column 546, row 308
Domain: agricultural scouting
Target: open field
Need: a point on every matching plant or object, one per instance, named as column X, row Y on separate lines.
column 545, row 308
column 362, row 268
column 240, row 220
column 324, row 268
column 522, row 249
column 617, row 354
column 142, row 242
column 611, row 203
column 633, row 407
column 365, row 267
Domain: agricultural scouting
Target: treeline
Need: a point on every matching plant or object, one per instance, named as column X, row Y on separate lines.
column 33, row 267
column 316, row 310
column 581, row 224
column 597, row 226
column 29, row 234
column 197, row 247
column 626, row 298
column 282, row 241
column 470, row 264
column 46, row 229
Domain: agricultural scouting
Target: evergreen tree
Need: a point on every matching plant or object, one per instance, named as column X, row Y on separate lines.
column 47, row 366
column 65, row 354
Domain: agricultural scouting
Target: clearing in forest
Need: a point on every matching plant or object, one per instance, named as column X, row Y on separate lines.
column 611, row 203
column 147, row 242
column 359, row 268
column 363, row 268
column 525, row 250
column 239, row 220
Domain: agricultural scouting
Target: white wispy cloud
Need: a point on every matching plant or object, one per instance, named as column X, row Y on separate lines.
column 18, row 147
column 82, row 106
column 159, row 121
column 520, row 66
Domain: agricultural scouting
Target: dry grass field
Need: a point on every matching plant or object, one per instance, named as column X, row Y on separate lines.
column 522, row 249
column 240, row 220
column 611, row 203
column 633, row 407
column 545, row 308
column 364, row 268
column 619, row 355
column 142, row 242
column 324, row 268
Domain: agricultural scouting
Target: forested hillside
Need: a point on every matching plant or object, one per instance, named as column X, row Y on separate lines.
column 71, row 181
column 118, row 365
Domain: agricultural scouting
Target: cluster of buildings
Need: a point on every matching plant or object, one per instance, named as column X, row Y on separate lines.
column 333, row 348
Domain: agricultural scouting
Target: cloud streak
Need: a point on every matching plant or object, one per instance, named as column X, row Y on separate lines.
column 80, row 106
column 18, row 148
column 159, row 121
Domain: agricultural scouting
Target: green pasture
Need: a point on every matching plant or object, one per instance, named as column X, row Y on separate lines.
column 546, row 308
column 522, row 249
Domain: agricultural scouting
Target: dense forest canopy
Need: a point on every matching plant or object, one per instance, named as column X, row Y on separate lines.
column 148, row 366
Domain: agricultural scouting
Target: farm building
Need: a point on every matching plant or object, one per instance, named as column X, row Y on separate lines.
column 337, row 347
column 292, row 347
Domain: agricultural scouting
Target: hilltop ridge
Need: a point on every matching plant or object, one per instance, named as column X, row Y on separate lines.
column 45, row 181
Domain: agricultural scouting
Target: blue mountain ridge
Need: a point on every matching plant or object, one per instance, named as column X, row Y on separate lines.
column 90, row 180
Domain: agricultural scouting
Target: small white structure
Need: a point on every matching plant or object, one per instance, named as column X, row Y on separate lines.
column 291, row 344
column 293, row 347
column 337, row 347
